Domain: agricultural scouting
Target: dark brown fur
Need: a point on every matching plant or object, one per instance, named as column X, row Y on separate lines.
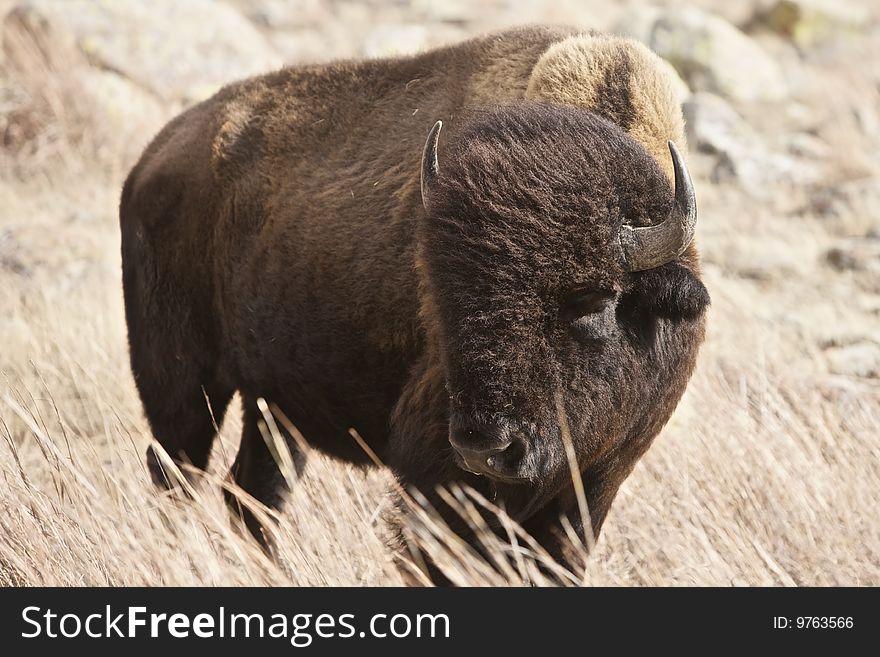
column 274, row 243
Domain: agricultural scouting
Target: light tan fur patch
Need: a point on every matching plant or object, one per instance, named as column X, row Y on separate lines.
column 237, row 115
column 574, row 71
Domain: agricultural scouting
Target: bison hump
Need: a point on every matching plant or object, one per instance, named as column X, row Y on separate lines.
column 619, row 79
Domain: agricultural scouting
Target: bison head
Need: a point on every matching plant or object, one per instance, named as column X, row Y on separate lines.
column 566, row 301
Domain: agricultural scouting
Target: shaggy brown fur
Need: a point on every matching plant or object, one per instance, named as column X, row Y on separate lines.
column 274, row 242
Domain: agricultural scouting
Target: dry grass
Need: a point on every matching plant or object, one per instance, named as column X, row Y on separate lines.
column 767, row 474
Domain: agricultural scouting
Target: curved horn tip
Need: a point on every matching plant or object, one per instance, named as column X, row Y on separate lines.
column 685, row 198
column 652, row 246
column 430, row 162
column 684, row 186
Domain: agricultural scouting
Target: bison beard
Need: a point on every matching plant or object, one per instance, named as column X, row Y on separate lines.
column 276, row 242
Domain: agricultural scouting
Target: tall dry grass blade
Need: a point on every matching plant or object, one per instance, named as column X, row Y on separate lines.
column 574, row 470
column 277, row 445
column 295, row 433
column 46, row 442
column 172, row 472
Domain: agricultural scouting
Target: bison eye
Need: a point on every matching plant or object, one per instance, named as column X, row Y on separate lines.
column 590, row 316
column 585, row 303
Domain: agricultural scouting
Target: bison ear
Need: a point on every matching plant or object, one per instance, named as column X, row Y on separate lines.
column 430, row 163
column 672, row 291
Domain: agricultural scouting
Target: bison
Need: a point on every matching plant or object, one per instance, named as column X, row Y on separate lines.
column 468, row 304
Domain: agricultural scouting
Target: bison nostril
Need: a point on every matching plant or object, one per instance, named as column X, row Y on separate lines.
column 478, row 446
column 488, row 439
column 516, row 449
column 496, row 454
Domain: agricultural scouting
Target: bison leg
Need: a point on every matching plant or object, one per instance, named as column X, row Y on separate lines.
column 171, row 333
column 257, row 473
column 184, row 423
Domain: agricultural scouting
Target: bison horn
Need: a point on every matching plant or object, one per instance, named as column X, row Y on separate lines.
column 652, row 246
column 430, row 164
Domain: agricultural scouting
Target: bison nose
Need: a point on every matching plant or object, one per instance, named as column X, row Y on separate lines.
column 495, row 453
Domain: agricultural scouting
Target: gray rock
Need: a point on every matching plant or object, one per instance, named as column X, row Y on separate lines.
column 11, row 251
column 311, row 46
column 448, row 10
column 853, row 198
column 861, row 254
column 121, row 101
column 811, row 22
column 861, row 359
column 403, row 39
column 740, row 155
column 803, row 144
column 54, row 103
column 713, row 126
column 175, row 49
column 708, row 52
column 283, row 14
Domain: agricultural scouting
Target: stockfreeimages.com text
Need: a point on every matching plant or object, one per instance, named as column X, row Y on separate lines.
column 300, row 629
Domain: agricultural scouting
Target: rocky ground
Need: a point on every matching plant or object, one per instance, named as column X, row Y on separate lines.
column 765, row 473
